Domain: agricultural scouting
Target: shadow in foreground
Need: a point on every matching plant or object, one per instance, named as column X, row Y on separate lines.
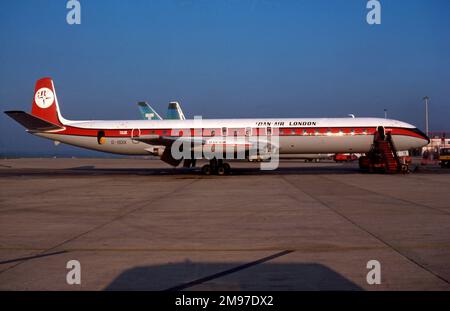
column 237, row 276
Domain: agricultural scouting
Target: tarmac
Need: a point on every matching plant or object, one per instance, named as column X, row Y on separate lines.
column 138, row 224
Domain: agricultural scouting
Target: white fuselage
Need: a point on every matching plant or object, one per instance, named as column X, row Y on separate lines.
column 318, row 135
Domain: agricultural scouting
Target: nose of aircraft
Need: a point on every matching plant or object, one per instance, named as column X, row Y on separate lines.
column 422, row 135
column 421, row 139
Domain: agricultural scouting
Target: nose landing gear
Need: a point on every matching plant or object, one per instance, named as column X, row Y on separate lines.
column 217, row 167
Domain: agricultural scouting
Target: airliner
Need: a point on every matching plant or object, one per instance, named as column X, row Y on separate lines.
column 157, row 137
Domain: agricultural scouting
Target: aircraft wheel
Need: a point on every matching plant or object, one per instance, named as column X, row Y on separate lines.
column 227, row 168
column 206, row 169
column 221, row 170
column 404, row 169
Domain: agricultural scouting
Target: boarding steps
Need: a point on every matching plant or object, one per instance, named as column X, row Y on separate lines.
column 389, row 155
column 383, row 156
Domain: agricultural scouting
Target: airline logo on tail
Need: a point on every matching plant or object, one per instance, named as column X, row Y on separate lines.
column 44, row 98
column 45, row 101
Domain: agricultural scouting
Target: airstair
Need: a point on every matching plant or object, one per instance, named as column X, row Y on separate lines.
column 383, row 156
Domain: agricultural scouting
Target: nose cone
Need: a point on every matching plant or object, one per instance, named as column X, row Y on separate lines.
column 422, row 135
column 420, row 138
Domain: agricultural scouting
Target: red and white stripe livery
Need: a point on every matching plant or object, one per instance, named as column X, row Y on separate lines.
column 296, row 135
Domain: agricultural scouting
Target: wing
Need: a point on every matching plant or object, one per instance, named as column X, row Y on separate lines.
column 215, row 142
column 257, row 149
column 167, row 140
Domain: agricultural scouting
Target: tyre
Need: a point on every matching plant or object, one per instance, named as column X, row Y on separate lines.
column 364, row 162
column 221, row 170
column 227, row 168
column 206, row 169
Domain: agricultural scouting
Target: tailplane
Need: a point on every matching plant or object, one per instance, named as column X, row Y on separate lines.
column 32, row 123
column 45, row 115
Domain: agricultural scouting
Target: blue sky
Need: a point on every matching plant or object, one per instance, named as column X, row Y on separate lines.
column 235, row 58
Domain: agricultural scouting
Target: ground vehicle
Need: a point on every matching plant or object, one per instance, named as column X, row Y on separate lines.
column 444, row 157
column 345, row 157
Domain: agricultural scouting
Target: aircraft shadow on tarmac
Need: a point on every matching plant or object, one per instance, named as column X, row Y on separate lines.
column 291, row 169
column 238, row 171
column 234, row 172
column 237, row 276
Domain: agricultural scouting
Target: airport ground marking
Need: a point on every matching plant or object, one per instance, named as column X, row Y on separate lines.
column 397, row 250
column 322, row 249
column 32, row 257
column 141, row 205
column 229, row 271
column 390, row 196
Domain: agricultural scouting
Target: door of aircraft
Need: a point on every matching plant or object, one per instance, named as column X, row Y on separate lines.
column 381, row 132
column 136, row 132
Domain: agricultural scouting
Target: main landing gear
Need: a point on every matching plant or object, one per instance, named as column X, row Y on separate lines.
column 217, row 167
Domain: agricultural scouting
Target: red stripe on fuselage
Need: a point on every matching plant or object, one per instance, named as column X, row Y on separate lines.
column 207, row 132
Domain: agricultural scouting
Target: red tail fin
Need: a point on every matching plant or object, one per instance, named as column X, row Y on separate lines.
column 45, row 103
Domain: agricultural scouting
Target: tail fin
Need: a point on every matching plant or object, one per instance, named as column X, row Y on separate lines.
column 147, row 112
column 45, row 103
column 174, row 112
